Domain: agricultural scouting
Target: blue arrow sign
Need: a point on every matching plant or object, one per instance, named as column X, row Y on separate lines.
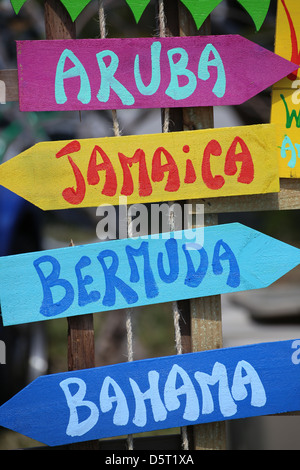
column 159, row 393
column 140, row 271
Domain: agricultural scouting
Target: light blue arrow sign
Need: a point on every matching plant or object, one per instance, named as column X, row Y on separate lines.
column 140, row 271
column 158, row 393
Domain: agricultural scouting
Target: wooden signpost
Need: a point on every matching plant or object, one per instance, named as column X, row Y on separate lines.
column 149, row 168
column 140, row 271
column 134, row 73
column 160, row 393
column 285, row 111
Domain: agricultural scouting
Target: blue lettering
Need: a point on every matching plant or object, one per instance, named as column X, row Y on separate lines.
column 156, row 75
column 49, row 308
column 149, row 281
column 108, row 80
column 113, row 282
column 179, row 69
column 233, row 279
column 286, row 145
column 203, row 73
column 172, row 251
column 78, row 70
column 194, row 278
column 83, row 297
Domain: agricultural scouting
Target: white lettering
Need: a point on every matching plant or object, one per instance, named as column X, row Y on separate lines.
column 219, row 374
column 295, row 355
column 295, row 95
column 152, row 394
column 177, row 391
column 171, row 393
column 239, row 390
column 121, row 414
column 74, row 402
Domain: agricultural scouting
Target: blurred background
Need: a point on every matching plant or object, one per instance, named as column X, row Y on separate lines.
column 31, row 350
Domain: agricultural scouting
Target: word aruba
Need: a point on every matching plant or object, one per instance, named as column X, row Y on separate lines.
column 175, row 89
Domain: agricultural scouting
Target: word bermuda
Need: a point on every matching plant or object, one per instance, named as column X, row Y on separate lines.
column 120, row 273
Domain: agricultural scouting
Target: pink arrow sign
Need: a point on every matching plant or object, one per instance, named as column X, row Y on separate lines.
column 144, row 72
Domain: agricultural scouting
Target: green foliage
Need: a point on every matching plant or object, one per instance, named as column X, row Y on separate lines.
column 199, row 9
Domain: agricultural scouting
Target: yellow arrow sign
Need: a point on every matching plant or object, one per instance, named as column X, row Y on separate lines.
column 149, row 168
column 285, row 110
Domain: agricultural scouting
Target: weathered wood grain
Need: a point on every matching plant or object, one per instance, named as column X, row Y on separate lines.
column 81, row 345
column 287, row 199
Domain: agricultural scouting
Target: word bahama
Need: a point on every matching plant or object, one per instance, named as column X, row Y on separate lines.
column 137, row 405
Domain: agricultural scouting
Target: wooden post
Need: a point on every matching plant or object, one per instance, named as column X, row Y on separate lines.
column 206, row 315
column 81, row 345
column 58, row 23
column 171, row 13
column 201, row 323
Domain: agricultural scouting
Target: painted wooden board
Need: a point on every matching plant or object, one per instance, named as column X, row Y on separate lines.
column 140, row 271
column 285, row 110
column 160, row 393
column 149, row 168
column 116, row 73
column 257, row 9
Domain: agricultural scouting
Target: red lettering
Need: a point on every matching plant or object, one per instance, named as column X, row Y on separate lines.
column 247, row 169
column 213, row 182
column 295, row 58
column 71, row 147
column 72, row 195
column 190, row 174
column 158, row 170
column 145, row 188
column 93, row 178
